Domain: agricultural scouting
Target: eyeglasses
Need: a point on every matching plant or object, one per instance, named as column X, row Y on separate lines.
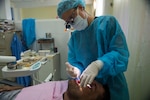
column 70, row 20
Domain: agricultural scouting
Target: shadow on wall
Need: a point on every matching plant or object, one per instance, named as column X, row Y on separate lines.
column 147, row 2
column 148, row 97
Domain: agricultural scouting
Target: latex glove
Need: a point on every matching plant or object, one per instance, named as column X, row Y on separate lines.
column 90, row 73
column 73, row 71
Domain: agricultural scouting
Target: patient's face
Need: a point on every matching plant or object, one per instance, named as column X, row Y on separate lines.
column 76, row 92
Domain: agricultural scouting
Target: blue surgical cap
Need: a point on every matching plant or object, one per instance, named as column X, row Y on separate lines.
column 66, row 5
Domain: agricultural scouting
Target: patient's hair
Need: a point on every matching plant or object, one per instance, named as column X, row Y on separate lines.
column 106, row 95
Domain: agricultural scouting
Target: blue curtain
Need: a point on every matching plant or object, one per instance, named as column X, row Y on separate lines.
column 17, row 48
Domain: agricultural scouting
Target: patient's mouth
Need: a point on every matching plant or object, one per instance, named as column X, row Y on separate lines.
column 78, row 81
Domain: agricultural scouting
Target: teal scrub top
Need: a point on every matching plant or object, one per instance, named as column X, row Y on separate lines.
column 102, row 40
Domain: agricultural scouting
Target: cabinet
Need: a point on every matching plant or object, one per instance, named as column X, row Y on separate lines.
column 52, row 66
column 5, row 43
column 5, row 46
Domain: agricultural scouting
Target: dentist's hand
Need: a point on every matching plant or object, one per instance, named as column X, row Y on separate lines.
column 73, row 71
column 90, row 73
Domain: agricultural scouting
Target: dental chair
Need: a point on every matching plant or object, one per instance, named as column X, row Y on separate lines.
column 7, row 60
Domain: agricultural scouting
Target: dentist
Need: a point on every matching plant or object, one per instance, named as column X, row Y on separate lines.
column 97, row 48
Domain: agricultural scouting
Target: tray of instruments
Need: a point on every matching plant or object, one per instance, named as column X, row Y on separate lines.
column 28, row 61
column 24, row 63
column 27, row 66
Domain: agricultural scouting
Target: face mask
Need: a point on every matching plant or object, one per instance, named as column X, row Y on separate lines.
column 80, row 23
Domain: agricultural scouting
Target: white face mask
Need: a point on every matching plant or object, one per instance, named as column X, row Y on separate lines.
column 80, row 23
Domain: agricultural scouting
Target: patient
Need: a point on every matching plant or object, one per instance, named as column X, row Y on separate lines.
column 93, row 92
column 62, row 90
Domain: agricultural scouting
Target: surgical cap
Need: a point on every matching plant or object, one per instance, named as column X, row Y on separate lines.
column 66, row 5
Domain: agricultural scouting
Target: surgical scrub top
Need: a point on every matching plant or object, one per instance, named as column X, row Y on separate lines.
column 102, row 40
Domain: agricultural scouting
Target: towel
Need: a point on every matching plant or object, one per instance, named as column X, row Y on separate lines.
column 28, row 27
column 16, row 46
column 52, row 90
column 16, row 49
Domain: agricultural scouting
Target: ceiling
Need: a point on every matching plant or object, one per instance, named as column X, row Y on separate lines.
column 36, row 3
